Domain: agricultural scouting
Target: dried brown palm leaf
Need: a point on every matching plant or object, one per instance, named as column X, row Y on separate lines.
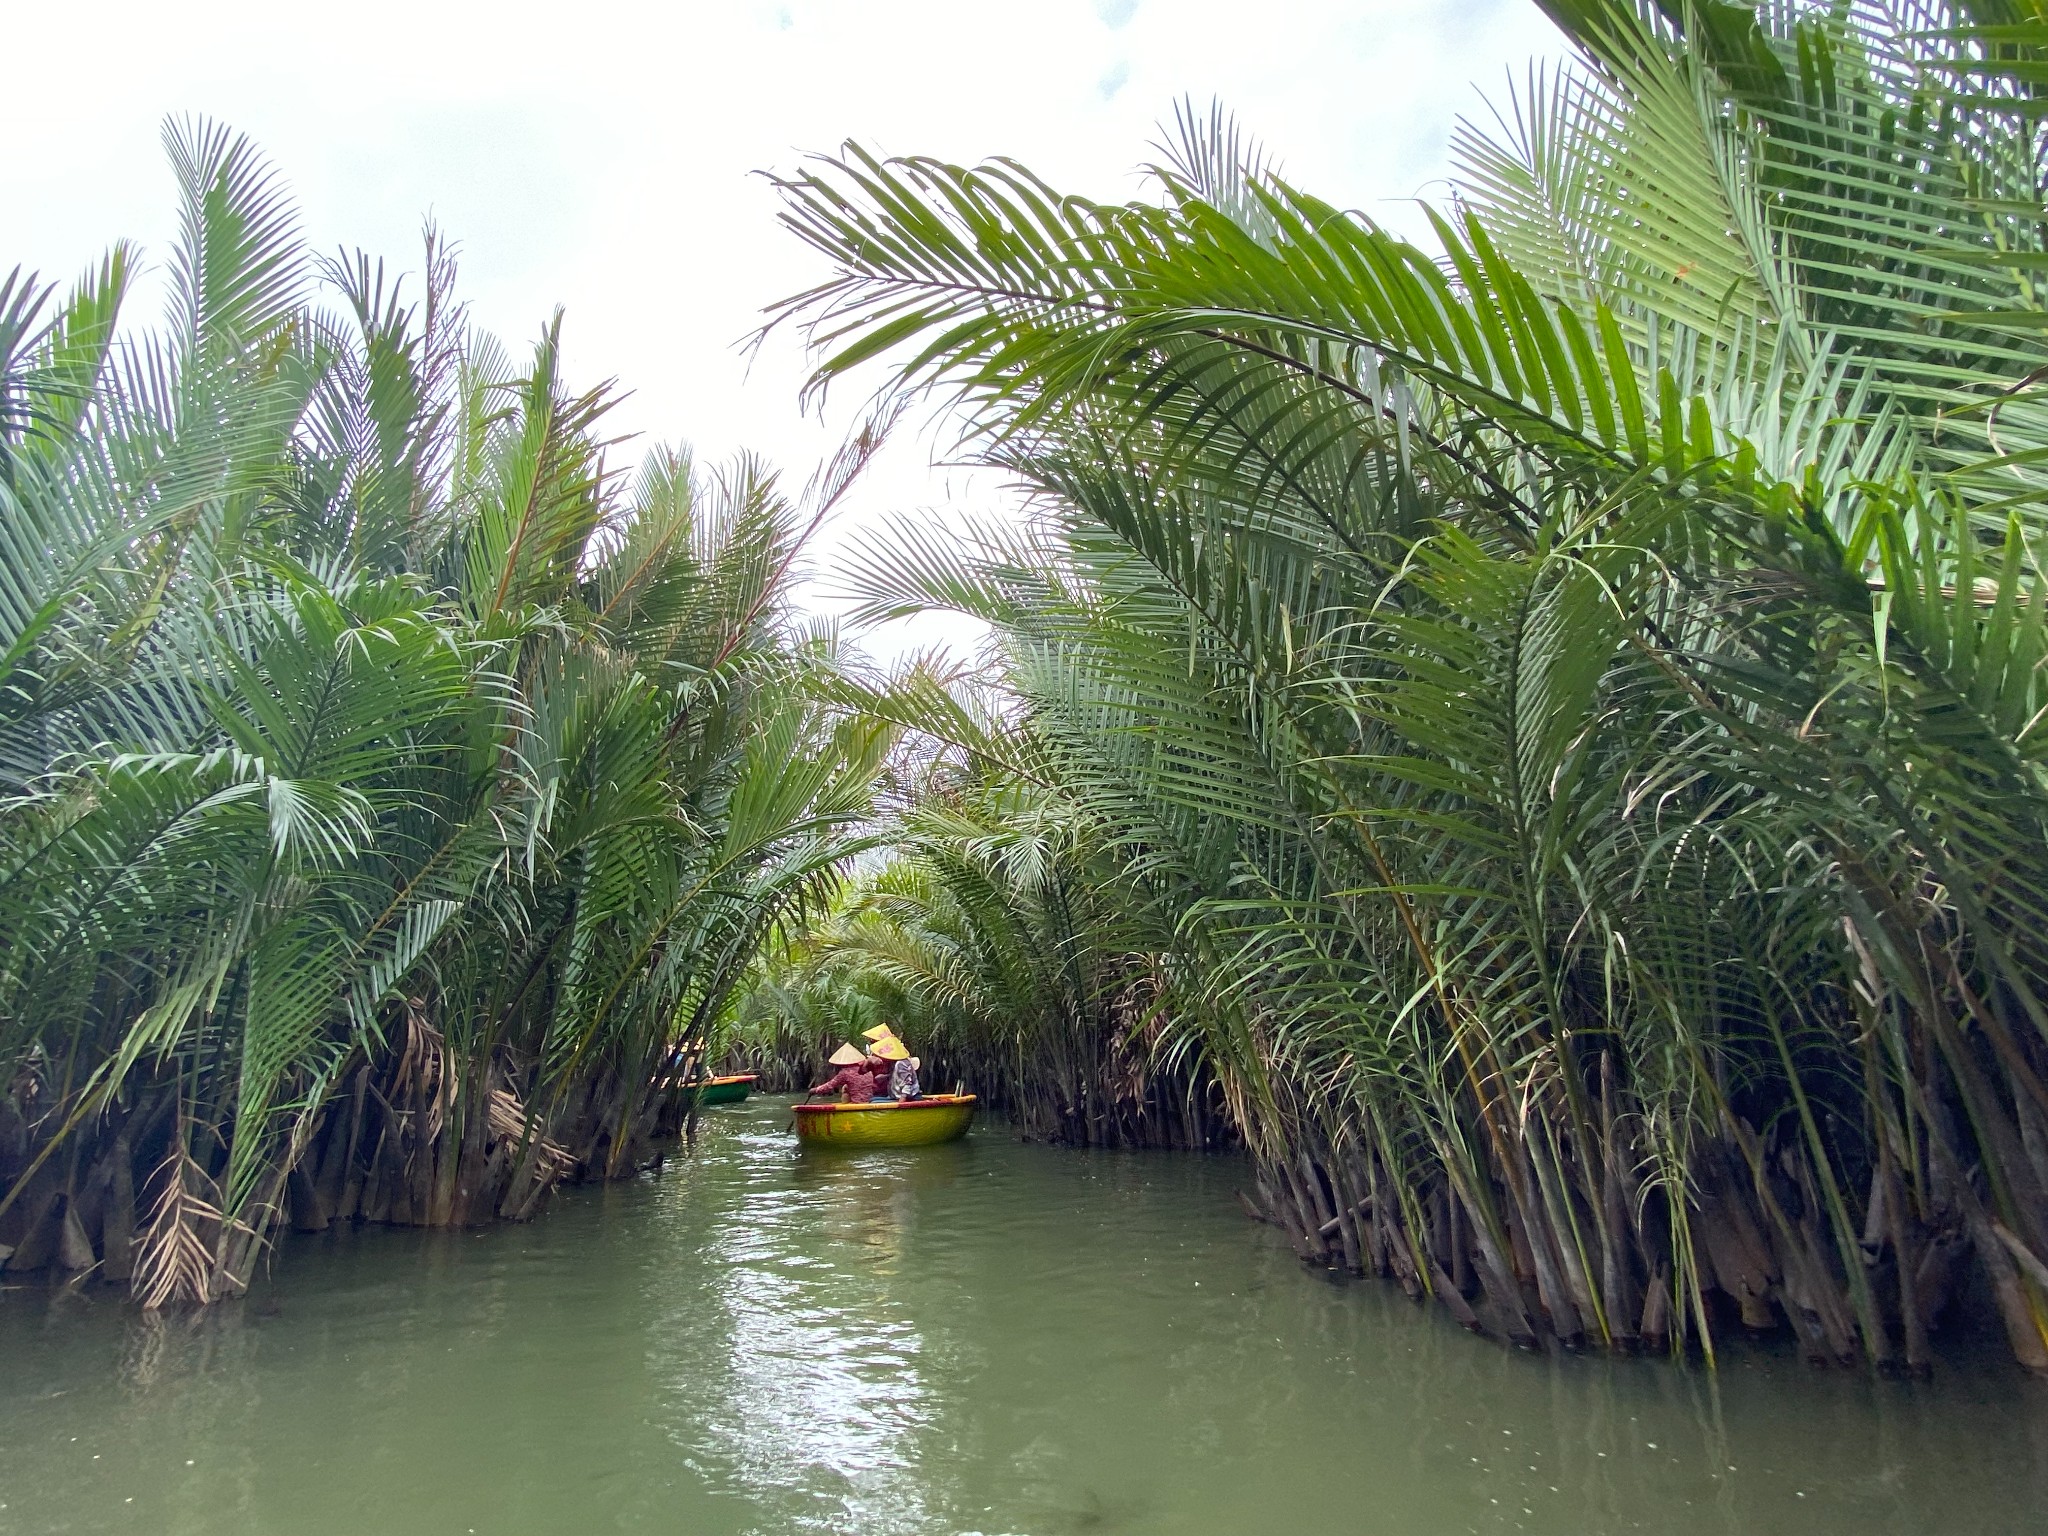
column 553, row 1162
column 174, row 1260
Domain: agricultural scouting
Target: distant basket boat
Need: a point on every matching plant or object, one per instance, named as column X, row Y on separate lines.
column 886, row 1123
column 721, row 1090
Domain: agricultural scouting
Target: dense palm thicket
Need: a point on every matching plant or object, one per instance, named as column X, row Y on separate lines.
column 385, row 784
column 998, row 941
column 1557, row 715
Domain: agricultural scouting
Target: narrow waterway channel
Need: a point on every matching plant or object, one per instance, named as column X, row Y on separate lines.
column 986, row 1337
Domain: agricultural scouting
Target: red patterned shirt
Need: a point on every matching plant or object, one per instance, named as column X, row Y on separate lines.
column 858, row 1082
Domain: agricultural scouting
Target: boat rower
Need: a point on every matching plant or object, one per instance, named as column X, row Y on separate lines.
column 855, row 1080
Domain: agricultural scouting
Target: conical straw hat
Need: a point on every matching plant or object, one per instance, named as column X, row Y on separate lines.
column 846, row 1056
column 892, row 1049
column 880, row 1032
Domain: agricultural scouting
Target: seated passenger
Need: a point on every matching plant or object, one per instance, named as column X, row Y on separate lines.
column 902, row 1067
column 878, row 1068
column 903, row 1079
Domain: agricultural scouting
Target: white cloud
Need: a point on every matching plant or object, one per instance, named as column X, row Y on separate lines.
column 598, row 154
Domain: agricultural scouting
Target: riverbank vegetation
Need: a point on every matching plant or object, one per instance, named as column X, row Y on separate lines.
column 1552, row 722
column 1539, row 735
column 386, row 782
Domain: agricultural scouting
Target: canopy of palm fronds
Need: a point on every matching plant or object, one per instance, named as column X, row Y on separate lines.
column 1002, row 945
column 1572, row 695
column 389, row 784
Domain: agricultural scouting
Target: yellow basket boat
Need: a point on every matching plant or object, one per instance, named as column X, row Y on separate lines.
column 886, row 1123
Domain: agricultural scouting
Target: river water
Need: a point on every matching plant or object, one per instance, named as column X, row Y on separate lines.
column 986, row 1337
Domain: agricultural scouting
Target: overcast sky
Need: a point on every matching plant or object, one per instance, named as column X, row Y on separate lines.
column 597, row 154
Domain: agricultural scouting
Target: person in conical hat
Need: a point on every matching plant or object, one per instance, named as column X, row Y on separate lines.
column 903, row 1066
column 880, row 1032
column 855, row 1080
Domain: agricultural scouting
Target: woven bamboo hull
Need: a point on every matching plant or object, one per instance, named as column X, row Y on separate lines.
column 919, row 1123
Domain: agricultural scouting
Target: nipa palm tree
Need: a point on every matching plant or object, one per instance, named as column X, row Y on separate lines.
column 1572, row 688
column 390, row 785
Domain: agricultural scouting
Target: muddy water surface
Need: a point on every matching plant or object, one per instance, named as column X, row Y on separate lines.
column 986, row 1337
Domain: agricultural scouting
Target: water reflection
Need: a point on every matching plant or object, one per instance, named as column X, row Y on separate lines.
column 819, row 1391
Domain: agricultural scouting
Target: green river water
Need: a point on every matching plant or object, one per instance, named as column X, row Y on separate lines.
column 986, row 1337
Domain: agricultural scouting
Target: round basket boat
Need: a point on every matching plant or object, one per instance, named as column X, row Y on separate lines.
column 886, row 1123
column 723, row 1090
